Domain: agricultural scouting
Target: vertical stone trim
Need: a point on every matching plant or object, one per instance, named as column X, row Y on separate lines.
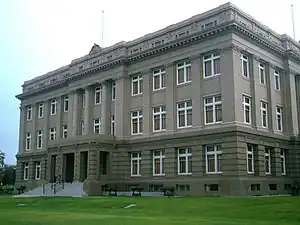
column 86, row 113
column 170, row 98
column 276, row 166
column 44, row 167
column 22, row 130
column 197, row 160
column 34, row 130
column 31, row 170
column 75, row 114
column 271, row 99
column 255, row 84
column 171, row 167
column 196, row 82
column 58, row 164
column 19, row 172
column 104, row 107
column 77, row 165
column 241, row 157
column 230, row 152
column 146, row 164
column 93, row 168
column 147, row 108
column 49, row 167
column 259, row 161
column 46, row 127
column 70, row 113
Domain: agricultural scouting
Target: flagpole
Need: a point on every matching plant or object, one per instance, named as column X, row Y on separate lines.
column 102, row 44
column 293, row 21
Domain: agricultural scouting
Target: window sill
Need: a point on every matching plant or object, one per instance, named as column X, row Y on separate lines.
column 159, row 89
column 183, row 84
column 184, row 174
column 158, row 175
column 212, row 76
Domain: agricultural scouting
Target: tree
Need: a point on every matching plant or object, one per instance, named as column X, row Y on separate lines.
column 2, row 157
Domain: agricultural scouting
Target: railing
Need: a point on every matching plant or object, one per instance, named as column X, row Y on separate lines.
column 59, row 180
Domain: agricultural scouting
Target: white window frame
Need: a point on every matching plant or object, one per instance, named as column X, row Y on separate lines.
column 52, row 134
column 277, row 79
column 97, row 124
column 211, row 58
column 160, row 74
column 186, row 110
column 39, row 136
column 245, row 58
column 214, row 103
column 113, row 91
column 82, row 127
column 26, row 171
column 279, row 118
column 41, row 110
column 98, row 95
column 138, row 159
column 268, row 160
column 37, row 166
column 112, row 125
column 262, row 73
column 245, row 105
column 138, row 117
column 29, row 112
column 53, row 107
column 139, row 80
column 186, row 155
column 186, row 66
column 161, row 156
column 64, row 131
column 283, row 161
column 250, row 151
column 217, row 152
column 264, row 113
column 66, row 103
column 28, row 142
column 159, row 113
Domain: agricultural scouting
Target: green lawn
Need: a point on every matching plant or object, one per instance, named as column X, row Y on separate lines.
column 155, row 210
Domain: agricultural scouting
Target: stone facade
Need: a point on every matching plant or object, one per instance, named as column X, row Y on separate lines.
column 208, row 106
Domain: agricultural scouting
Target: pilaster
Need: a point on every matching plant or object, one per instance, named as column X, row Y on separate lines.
column 276, row 166
column 46, row 127
column 33, row 133
column 170, row 98
column 77, row 165
column 22, row 130
column 104, row 106
column 255, row 85
column 271, row 99
column 19, row 171
column 93, row 165
column 197, row 160
column 259, row 161
column 31, row 170
column 147, row 109
column 86, row 113
column 170, row 162
column 196, row 82
column 146, row 164
column 70, row 113
column 75, row 114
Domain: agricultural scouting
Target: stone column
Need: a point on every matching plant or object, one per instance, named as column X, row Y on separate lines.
column 93, row 168
column 170, row 98
column 196, row 82
column 146, row 164
column 147, row 109
column 197, row 161
column 259, row 160
column 276, row 162
column 77, row 165
column 31, row 170
column 34, row 131
column 171, row 166
column 22, row 129
column 74, row 127
column 44, row 167
column 232, row 156
column 19, row 172
column 46, row 125
column 104, row 107
column 59, row 112
column 255, row 84
column 70, row 113
column 241, row 158
column 86, row 115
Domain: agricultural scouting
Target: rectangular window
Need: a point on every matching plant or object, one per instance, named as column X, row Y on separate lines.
column 211, row 65
column 282, row 162
column 159, row 79
column 158, row 163
column 28, row 141
column 65, row 131
column 39, row 141
column 98, row 95
column 97, row 125
column 26, row 171
column 53, row 107
column 136, row 164
column 112, row 125
column 113, row 91
column 37, row 170
column 137, row 122
column 279, row 118
column 250, row 159
column 213, row 109
column 245, row 66
column 159, row 118
column 52, row 134
column 184, row 161
column 262, row 74
column 247, row 109
column 29, row 112
column 277, row 80
column 66, row 103
column 213, row 159
column 41, row 110
column 268, row 160
column 184, row 72
column 264, row 114
column 82, row 127
column 184, row 114
column 137, row 85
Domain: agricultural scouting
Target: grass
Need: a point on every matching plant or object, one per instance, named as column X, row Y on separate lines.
column 110, row 211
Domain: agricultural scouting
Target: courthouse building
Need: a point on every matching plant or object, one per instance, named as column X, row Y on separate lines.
column 207, row 106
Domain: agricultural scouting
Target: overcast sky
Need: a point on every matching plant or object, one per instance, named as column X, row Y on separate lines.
column 38, row 36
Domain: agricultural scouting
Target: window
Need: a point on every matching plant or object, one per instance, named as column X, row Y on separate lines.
column 97, row 124
column 82, row 127
column 66, row 104
column 26, row 171
column 211, row 65
column 37, row 170
column 159, row 79
column 158, row 162
column 137, row 122
column 98, row 95
column 137, row 85
column 245, row 66
column 83, row 98
column 29, row 112
column 41, row 110
column 159, row 118
column 213, row 109
column 52, row 133
column 184, row 161
column 268, row 160
column 112, row 125
column 264, row 114
column 279, row 118
column 277, row 80
column 184, row 114
column 65, row 131
column 184, row 72
column 250, row 159
column 28, row 141
column 282, row 162
column 262, row 74
column 136, row 164
column 113, row 91
column 39, row 142
column 247, row 109
column 53, row 107
column 213, row 159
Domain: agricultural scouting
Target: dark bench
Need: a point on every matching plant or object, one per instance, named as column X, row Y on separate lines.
column 137, row 191
column 21, row 189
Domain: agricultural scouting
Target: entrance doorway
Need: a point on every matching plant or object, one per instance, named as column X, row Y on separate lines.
column 83, row 165
column 69, row 167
